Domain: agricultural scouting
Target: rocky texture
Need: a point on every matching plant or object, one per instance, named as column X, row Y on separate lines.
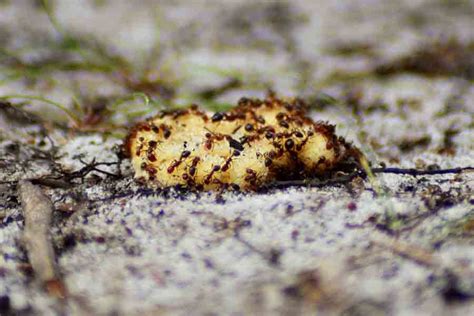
column 395, row 77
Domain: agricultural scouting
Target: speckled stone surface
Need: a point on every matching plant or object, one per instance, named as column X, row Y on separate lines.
column 396, row 77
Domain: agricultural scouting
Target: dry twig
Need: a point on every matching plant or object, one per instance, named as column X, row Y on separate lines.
column 37, row 211
column 412, row 252
column 416, row 172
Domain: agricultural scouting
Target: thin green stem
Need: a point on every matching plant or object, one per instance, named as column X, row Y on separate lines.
column 146, row 99
column 71, row 114
column 51, row 17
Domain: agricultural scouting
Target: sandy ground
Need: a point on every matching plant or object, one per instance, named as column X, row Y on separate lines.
column 395, row 76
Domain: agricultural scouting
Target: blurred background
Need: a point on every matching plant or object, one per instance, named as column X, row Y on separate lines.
column 127, row 59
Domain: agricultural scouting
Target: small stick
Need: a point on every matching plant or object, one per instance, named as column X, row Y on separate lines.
column 37, row 210
column 415, row 253
column 416, row 172
column 313, row 182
